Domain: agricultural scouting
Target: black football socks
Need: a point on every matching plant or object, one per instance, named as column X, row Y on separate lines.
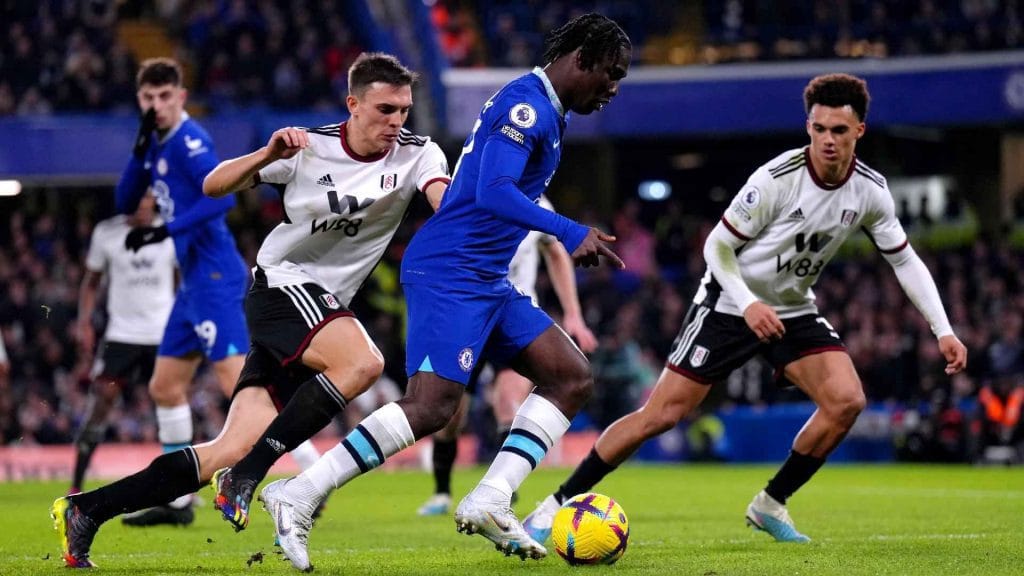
column 444, row 460
column 312, row 407
column 591, row 471
column 167, row 477
column 795, row 472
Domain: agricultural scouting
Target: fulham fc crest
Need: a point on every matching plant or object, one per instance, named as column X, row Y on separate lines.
column 699, row 356
column 389, row 182
column 848, row 217
column 330, row 301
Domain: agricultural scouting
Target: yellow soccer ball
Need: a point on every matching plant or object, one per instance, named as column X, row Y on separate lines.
column 590, row 529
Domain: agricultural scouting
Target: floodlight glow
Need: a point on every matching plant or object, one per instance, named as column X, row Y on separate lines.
column 10, row 187
column 654, row 190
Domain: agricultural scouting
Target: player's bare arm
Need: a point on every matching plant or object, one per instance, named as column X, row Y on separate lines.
column 560, row 268
column 434, row 194
column 595, row 245
column 240, row 173
column 86, row 305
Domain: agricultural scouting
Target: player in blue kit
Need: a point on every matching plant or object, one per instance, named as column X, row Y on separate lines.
column 171, row 156
column 463, row 308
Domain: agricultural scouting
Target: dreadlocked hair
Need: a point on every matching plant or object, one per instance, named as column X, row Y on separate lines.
column 597, row 37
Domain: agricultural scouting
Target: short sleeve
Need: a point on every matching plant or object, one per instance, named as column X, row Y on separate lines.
column 754, row 207
column 431, row 167
column 882, row 225
column 96, row 259
column 280, row 171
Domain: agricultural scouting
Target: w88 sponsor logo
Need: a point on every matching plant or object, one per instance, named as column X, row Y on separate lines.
column 349, row 227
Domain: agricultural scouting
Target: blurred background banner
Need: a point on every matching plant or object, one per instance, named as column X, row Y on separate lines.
column 753, row 99
column 959, row 92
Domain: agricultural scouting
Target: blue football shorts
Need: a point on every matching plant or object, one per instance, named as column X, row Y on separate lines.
column 207, row 321
column 451, row 329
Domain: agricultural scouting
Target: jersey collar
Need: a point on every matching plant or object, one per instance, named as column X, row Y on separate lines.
column 821, row 183
column 170, row 133
column 342, row 128
column 539, row 73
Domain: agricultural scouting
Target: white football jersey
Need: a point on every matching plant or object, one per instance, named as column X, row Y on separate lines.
column 341, row 209
column 140, row 285
column 794, row 223
column 522, row 270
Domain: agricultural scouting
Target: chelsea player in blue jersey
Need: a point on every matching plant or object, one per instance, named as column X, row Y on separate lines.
column 171, row 156
column 462, row 308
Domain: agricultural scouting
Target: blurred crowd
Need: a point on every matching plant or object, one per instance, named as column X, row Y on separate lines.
column 59, row 56
column 749, row 30
column 64, row 55
column 636, row 313
column 281, row 53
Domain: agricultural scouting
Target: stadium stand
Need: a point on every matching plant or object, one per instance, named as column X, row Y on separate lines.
column 58, row 57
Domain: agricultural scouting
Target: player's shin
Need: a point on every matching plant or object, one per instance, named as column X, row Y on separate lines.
column 85, row 445
column 312, row 407
column 587, row 475
column 538, row 425
column 384, row 432
column 794, row 473
column 166, row 478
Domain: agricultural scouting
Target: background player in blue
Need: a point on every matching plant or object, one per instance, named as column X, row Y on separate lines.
column 172, row 155
column 462, row 306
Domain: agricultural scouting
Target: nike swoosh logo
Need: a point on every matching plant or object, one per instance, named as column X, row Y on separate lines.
column 281, row 528
column 556, row 144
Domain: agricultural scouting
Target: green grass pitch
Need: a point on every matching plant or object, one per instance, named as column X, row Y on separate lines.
column 684, row 519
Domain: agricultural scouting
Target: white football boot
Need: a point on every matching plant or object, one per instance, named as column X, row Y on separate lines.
column 293, row 518
column 498, row 524
column 538, row 523
column 766, row 514
column 436, row 505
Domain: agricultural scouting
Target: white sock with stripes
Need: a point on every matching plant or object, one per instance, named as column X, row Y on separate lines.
column 378, row 436
column 537, row 426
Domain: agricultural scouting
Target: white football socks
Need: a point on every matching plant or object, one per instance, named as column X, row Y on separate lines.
column 538, row 425
column 381, row 434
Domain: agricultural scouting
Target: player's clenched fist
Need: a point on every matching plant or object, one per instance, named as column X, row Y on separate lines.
column 287, row 142
column 594, row 246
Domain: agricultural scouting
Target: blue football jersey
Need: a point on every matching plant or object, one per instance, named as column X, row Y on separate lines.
column 514, row 149
column 175, row 168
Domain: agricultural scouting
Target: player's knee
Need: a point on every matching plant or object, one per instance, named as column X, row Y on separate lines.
column 368, row 370
column 166, row 392
column 581, row 389
column 576, row 382
column 847, row 407
column 358, row 375
column 431, row 409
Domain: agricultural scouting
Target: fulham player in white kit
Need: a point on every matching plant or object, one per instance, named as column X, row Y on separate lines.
column 771, row 245
column 345, row 189
column 140, row 293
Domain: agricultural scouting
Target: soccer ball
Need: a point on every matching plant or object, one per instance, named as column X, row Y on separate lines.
column 590, row 529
